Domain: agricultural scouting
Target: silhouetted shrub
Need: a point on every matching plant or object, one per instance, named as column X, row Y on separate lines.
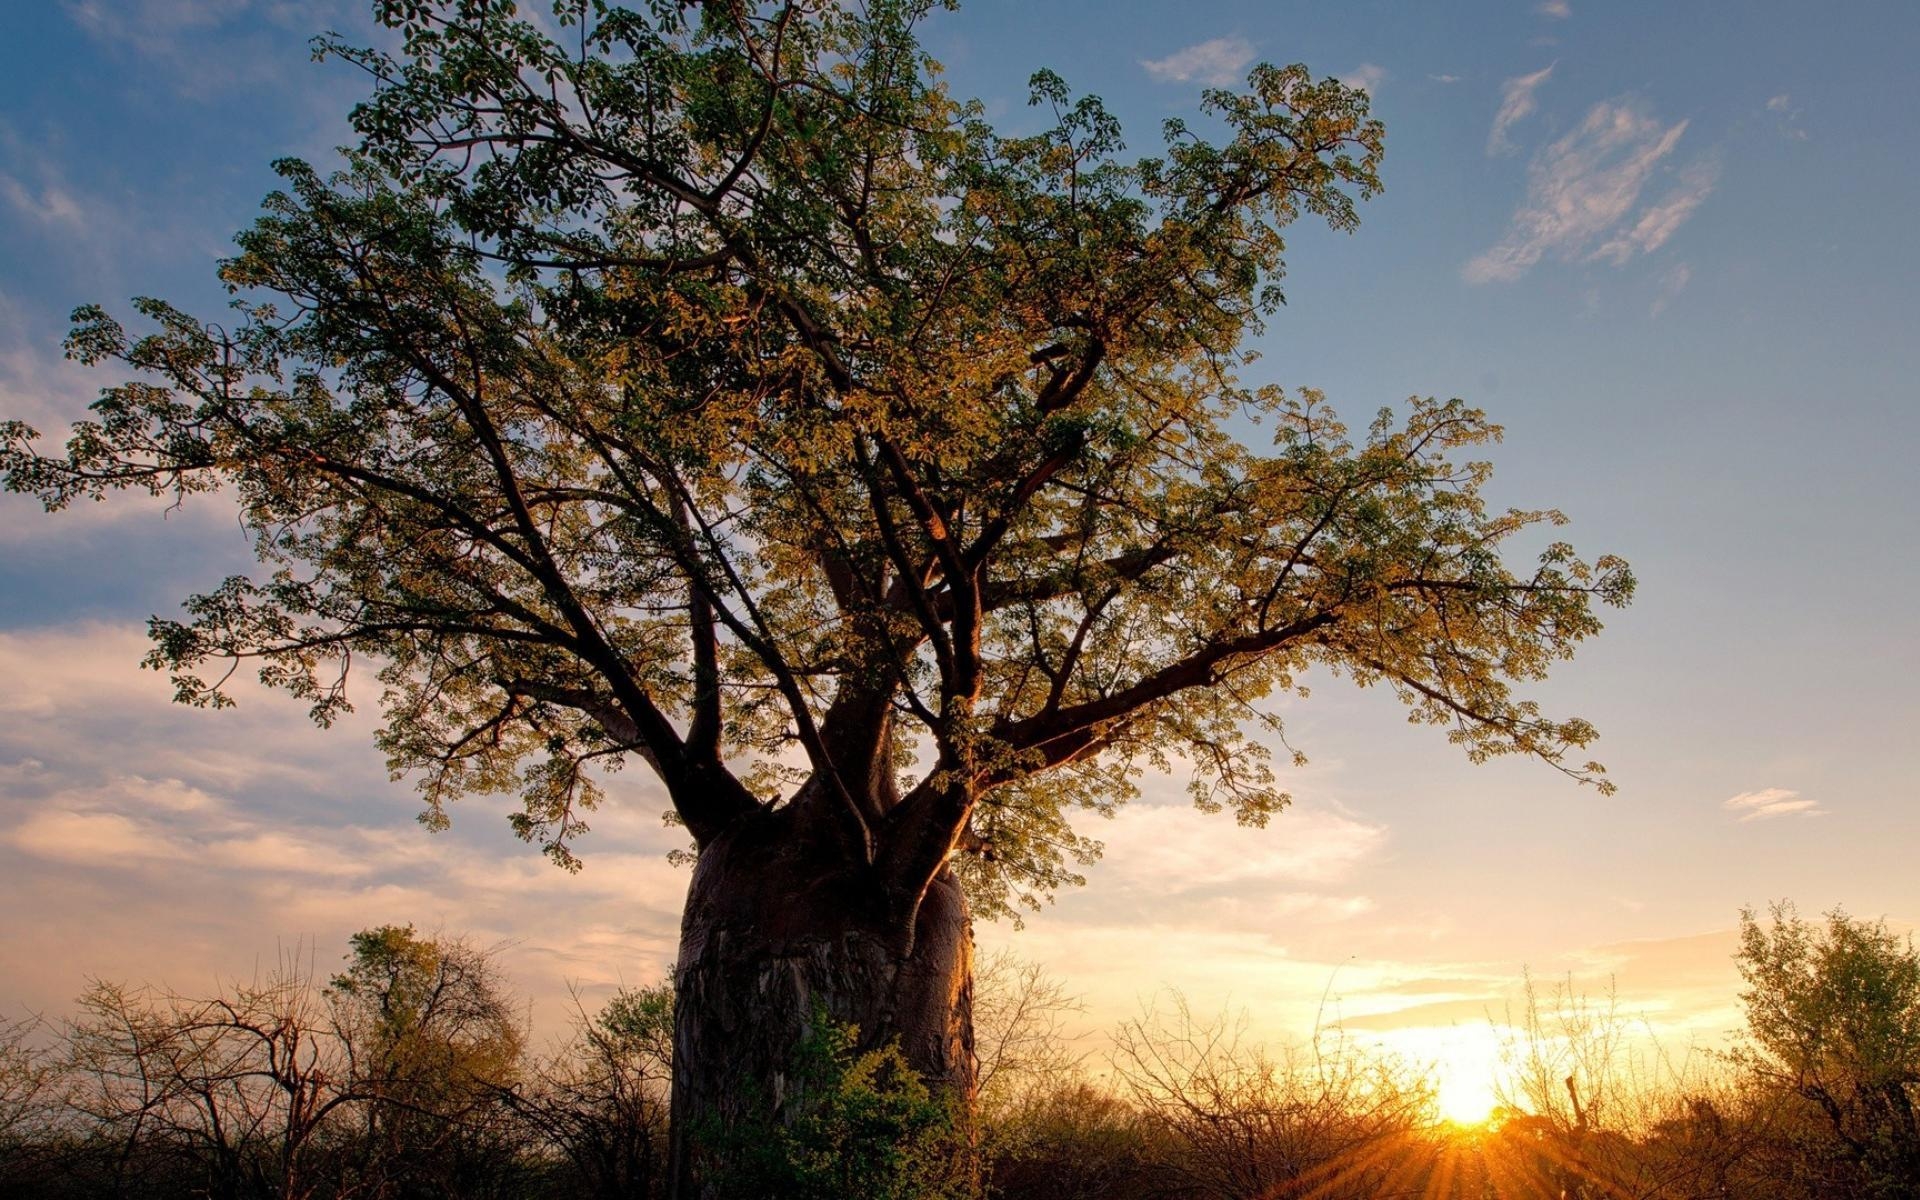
column 407, row 1077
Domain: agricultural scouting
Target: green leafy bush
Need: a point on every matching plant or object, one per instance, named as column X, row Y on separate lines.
column 857, row 1123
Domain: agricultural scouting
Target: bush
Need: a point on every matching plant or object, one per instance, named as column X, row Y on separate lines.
column 1833, row 1020
column 858, row 1124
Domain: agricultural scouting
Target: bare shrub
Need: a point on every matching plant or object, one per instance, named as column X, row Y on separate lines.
column 1020, row 1019
column 1229, row 1120
column 233, row 1091
column 598, row 1105
column 31, row 1101
column 1594, row 1107
column 1071, row 1140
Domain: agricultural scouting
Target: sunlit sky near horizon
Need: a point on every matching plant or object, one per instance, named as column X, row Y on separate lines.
column 1669, row 246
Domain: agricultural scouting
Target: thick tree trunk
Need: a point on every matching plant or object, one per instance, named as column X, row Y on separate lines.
column 778, row 927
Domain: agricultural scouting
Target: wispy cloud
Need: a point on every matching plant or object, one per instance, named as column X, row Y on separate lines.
column 1783, row 107
column 1660, row 220
column 1516, row 101
column 201, row 836
column 151, row 17
column 1150, row 844
column 204, row 47
column 1768, row 803
column 37, row 384
column 49, row 204
column 1671, row 285
column 96, row 228
column 37, row 187
column 154, row 28
column 1367, row 77
column 1444, row 78
column 132, row 820
column 1583, row 190
column 1560, row 10
column 1218, row 62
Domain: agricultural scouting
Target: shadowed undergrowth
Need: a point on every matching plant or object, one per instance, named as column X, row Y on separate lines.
column 411, row 1074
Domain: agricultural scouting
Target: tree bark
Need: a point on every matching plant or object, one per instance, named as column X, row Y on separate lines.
column 780, row 926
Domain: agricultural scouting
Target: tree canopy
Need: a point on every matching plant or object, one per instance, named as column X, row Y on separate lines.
column 709, row 386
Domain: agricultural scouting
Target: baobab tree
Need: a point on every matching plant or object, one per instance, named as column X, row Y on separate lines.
column 707, row 386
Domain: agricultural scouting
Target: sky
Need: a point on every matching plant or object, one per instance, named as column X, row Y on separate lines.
column 1670, row 251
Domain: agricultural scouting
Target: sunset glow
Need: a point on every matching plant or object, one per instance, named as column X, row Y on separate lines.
column 1463, row 1062
column 1171, row 687
column 1464, row 1097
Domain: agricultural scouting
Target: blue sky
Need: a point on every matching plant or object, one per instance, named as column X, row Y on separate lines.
column 1668, row 246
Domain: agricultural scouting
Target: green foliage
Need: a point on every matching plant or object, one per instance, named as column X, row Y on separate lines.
column 855, row 1123
column 1843, row 1001
column 639, row 1021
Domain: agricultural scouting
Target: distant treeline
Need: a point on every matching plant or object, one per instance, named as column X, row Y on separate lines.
column 409, row 1074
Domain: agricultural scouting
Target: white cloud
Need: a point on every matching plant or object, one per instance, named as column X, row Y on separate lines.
column 92, row 838
column 1219, row 62
column 166, row 26
column 94, row 229
column 130, row 822
column 1768, row 803
column 1558, row 9
column 1444, row 78
column 1516, row 102
column 1779, row 103
column 1367, row 77
column 1583, row 189
column 36, row 185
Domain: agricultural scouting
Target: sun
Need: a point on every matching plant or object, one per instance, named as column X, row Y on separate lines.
column 1461, row 1062
column 1463, row 1096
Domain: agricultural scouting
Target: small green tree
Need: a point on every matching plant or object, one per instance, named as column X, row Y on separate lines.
column 1833, row 1016
column 434, row 1037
